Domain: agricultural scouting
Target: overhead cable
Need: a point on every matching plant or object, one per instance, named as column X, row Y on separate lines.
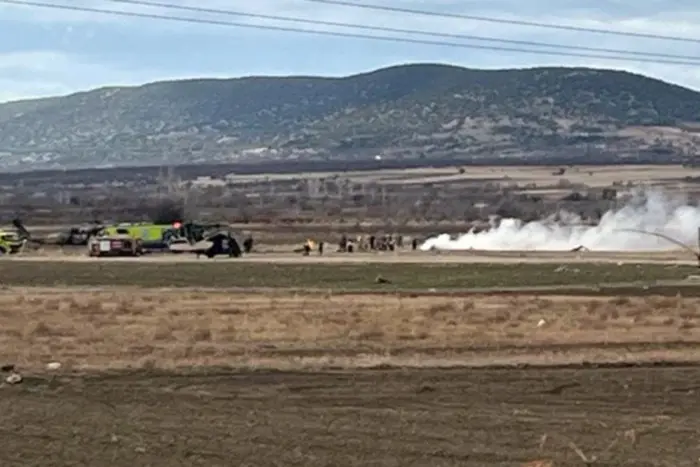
column 407, row 40
column 218, row 11
column 517, row 22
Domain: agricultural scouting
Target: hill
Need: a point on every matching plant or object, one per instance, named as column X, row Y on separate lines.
column 421, row 110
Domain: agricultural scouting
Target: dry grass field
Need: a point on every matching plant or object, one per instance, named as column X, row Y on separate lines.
column 133, row 328
column 669, row 176
column 177, row 377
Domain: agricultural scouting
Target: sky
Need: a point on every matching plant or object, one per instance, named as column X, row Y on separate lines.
column 46, row 52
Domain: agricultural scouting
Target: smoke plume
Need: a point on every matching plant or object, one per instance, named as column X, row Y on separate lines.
column 650, row 211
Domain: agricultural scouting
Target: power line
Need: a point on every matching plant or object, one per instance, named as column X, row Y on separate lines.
column 506, row 21
column 402, row 31
column 342, row 34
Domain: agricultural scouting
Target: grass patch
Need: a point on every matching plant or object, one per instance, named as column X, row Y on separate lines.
column 148, row 328
column 349, row 277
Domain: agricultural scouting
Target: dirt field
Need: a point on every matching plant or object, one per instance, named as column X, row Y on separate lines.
column 671, row 176
column 636, row 417
column 339, row 402
column 546, row 181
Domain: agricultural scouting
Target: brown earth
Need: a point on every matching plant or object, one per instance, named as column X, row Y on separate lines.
column 635, row 417
column 119, row 399
column 669, row 176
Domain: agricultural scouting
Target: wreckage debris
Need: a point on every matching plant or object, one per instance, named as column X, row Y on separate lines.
column 382, row 280
column 13, row 377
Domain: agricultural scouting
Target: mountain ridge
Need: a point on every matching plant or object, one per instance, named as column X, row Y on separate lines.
column 421, row 110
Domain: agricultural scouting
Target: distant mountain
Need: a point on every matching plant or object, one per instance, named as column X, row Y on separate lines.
column 420, row 110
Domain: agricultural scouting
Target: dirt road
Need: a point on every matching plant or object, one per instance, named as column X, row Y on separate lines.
column 639, row 417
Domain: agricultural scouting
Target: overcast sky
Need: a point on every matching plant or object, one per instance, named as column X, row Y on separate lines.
column 47, row 52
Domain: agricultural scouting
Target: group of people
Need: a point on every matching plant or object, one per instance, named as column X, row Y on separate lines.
column 361, row 243
column 370, row 243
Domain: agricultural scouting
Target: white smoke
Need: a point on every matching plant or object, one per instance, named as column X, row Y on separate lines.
column 650, row 211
